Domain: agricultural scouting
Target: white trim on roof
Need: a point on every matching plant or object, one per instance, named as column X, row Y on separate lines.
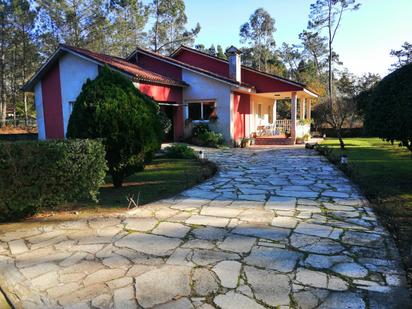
column 310, row 93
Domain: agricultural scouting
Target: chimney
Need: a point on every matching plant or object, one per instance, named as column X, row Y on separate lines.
column 233, row 56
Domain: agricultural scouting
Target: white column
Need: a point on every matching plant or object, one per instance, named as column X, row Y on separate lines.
column 308, row 109
column 275, row 111
column 302, row 108
column 185, row 111
column 293, row 108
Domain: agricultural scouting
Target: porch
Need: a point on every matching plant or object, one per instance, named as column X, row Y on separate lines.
column 265, row 126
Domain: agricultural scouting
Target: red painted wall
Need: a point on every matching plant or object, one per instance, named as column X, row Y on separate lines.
column 168, row 94
column 158, row 66
column 203, row 62
column 264, row 83
column 52, row 103
column 241, row 110
column 162, row 93
column 261, row 82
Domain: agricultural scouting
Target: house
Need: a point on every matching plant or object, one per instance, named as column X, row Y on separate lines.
column 191, row 87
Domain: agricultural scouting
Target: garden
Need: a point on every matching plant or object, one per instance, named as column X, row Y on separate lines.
column 110, row 160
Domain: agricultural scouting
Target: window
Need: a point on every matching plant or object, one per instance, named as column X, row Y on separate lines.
column 208, row 109
column 195, row 111
column 201, row 111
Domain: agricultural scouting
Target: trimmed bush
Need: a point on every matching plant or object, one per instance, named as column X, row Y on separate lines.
column 200, row 129
column 203, row 136
column 180, row 151
column 388, row 107
column 43, row 174
column 110, row 107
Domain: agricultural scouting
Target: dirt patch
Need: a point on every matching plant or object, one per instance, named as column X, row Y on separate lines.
column 17, row 130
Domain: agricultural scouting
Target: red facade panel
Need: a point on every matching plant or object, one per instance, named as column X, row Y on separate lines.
column 241, row 110
column 162, row 93
column 158, row 66
column 264, row 83
column 52, row 103
column 203, row 62
column 168, row 94
column 261, row 82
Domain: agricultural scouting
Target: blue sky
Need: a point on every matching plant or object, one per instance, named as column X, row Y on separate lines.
column 363, row 41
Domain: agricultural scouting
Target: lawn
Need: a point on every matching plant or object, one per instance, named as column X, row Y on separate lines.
column 384, row 173
column 162, row 178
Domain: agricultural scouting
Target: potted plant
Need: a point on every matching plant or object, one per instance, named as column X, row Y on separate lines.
column 299, row 140
column 287, row 134
column 245, row 142
column 213, row 118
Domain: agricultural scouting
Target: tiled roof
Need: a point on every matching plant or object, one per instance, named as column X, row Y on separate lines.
column 191, row 67
column 137, row 72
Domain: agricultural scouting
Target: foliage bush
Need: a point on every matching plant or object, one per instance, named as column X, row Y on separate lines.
column 35, row 174
column 388, row 107
column 203, row 136
column 212, row 139
column 110, row 107
column 180, row 151
column 200, row 129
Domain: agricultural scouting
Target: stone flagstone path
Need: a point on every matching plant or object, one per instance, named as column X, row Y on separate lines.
column 274, row 229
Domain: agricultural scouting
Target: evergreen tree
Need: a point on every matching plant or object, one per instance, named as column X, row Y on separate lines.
column 258, row 33
column 127, row 29
column 169, row 26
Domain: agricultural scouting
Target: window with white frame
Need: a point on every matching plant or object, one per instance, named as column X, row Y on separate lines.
column 201, row 110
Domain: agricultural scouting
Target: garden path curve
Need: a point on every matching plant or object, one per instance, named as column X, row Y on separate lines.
column 275, row 228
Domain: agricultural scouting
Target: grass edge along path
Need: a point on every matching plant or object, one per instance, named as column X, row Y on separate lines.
column 384, row 174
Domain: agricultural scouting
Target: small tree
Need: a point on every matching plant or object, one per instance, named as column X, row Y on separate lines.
column 388, row 111
column 111, row 108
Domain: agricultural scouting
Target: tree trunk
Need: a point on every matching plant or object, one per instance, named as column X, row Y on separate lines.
column 341, row 143
column 26, row 116
column 4, row 113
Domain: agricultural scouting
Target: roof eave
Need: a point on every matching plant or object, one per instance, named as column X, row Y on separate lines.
column 29, row 86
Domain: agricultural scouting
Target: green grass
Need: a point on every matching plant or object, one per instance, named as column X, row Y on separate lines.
column 384, row 171
column 162, row 178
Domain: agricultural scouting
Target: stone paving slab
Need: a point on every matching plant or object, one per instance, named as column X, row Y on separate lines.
column 273, row 229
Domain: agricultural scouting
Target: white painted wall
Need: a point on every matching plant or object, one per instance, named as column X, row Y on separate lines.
column 74, row 71
column 38, row 101
column 205, row 88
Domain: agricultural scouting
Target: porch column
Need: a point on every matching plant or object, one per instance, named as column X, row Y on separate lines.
column 293, row 108
column 302, row 106
column 185, row 112
column 308, row 109
column 274, row 111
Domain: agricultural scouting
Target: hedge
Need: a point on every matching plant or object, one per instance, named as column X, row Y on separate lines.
column 43, row 174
